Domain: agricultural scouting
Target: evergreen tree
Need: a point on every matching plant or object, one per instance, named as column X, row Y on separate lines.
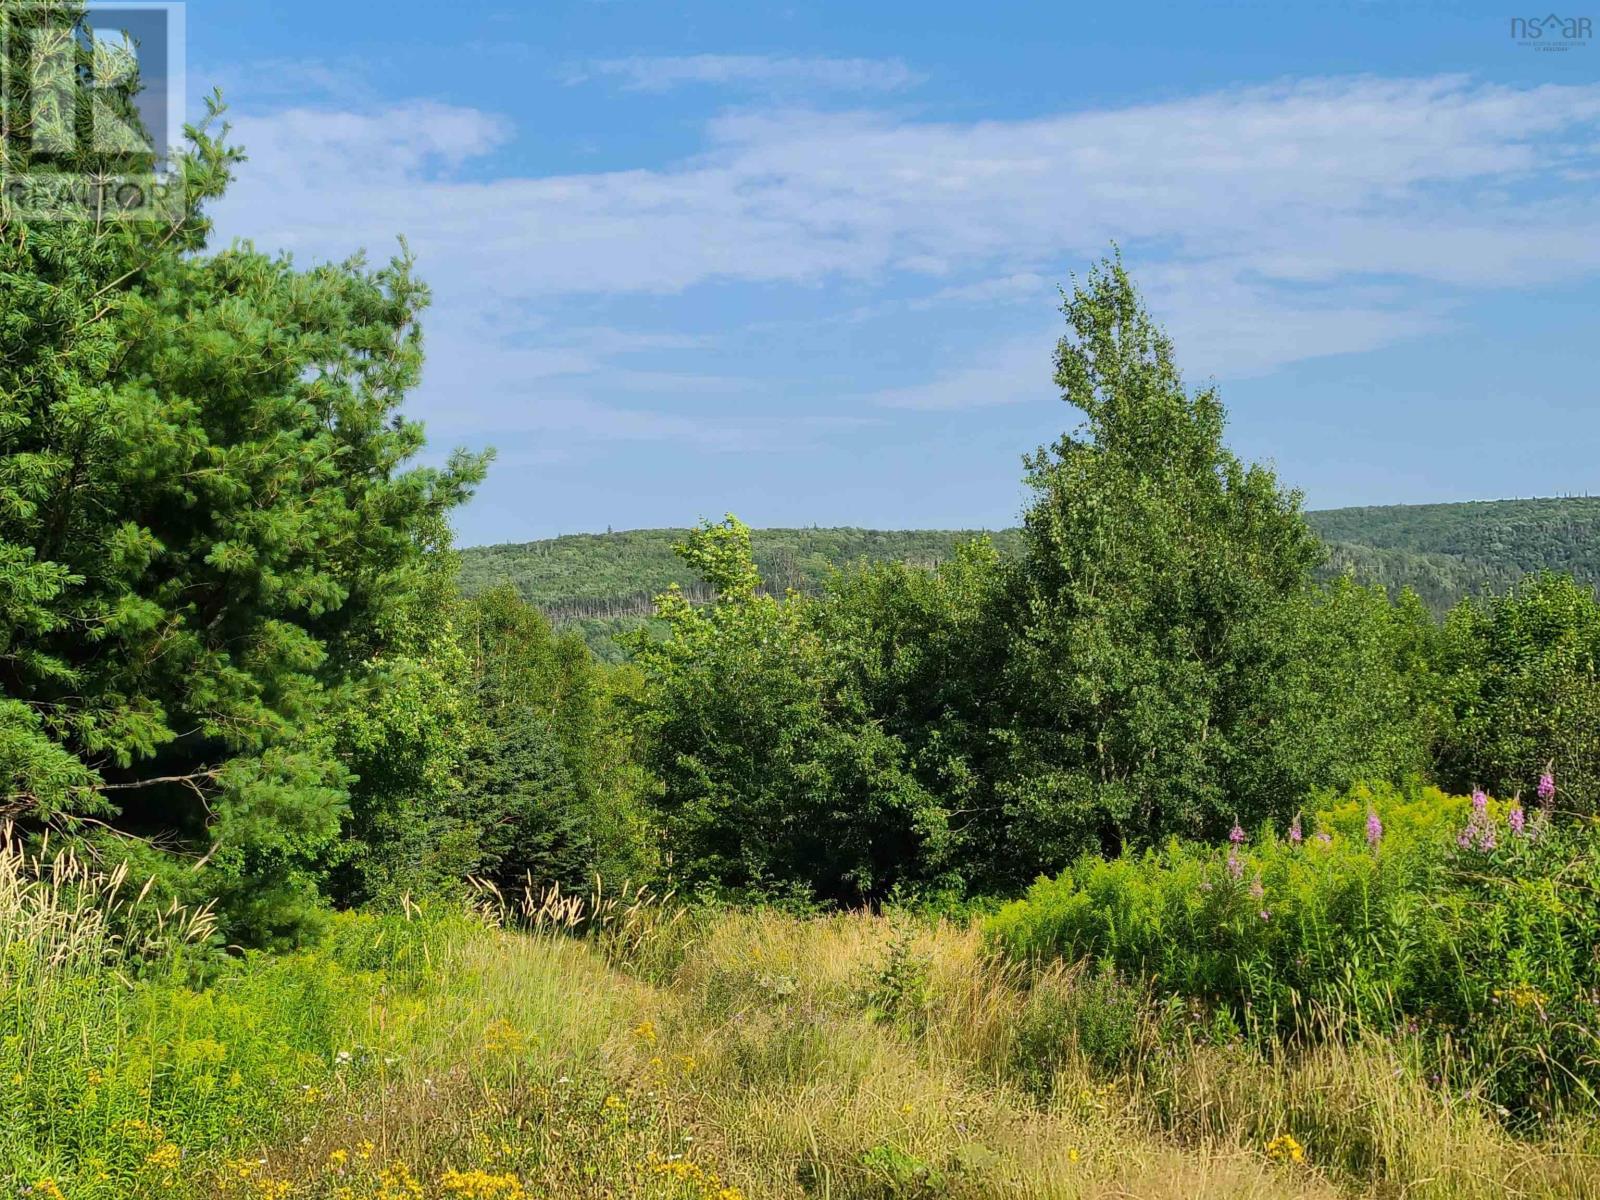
column 213, row 555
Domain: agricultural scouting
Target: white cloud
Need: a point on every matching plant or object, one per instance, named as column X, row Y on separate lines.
column 1019, row 370
column 660, row 73
column 1262, row 221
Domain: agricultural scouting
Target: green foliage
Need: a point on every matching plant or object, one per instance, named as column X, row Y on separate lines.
column 214, row 564
column 605, row 584
column 1162, row 618
column 900, row 991
column 1085, row 1016
column 1488, row 949
column 919, row 649
column 1154, row 660
column 551, row 791
column 772, row 774
column 1521, row 692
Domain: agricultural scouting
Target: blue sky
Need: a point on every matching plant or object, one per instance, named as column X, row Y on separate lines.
column 801, row 263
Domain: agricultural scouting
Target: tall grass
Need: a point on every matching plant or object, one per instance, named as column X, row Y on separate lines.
column 620, row 1046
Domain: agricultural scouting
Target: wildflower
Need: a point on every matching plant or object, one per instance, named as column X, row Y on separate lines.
column 1265, row 915
column 645, row 1031
column 503, row 1037
column 1324, row 839
column 1547, row 788
column 1374, row 828
column 481, row 1185
column 1256, row 890
column 338, row 1158
column 165, row 1157
column 1235, row 864
column 1516, row 819
column 1236, row 834
column 1285, row 1149
column 1295, row 834
column 1480, row 830
column 1072, row 1154
column 48, row 1188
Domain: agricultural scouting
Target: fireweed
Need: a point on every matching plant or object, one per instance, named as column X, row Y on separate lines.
column 1418, row 937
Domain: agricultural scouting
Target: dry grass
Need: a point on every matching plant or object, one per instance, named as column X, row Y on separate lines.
column 729, row 1056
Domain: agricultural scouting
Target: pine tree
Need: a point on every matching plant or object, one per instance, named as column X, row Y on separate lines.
column 212, row 551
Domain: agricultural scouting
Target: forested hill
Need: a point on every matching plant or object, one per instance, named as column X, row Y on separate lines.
column 1447, row 551
column 605, row 581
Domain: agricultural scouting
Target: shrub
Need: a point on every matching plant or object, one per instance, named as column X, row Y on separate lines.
column 1388, row 909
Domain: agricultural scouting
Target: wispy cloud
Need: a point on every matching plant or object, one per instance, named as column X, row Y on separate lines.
column 1268, row 224
column 656, row 73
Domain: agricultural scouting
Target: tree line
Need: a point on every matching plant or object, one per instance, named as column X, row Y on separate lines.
column 234, row 652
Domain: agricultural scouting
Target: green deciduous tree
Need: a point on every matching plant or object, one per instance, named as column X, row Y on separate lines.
column 1521, row 692
column 774, row 777
column 1159, row 611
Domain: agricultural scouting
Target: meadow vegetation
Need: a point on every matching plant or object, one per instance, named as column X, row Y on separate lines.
column 627, row 1046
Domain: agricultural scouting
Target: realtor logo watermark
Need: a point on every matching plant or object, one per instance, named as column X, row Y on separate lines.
column 1552, row 32
column 93, row 102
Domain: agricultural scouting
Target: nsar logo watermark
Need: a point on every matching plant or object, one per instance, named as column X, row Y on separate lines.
column 91, row 110
column 1552, row 32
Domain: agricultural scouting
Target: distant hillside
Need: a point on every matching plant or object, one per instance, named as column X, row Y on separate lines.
column 603, row 582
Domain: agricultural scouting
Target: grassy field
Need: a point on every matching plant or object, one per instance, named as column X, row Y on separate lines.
column 661, row 1052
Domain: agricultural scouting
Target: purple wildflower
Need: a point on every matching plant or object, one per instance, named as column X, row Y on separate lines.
column 1547, row 788
column 1235, row 864
column 1374, row 828
column 1516, row 819
column 1256, row 890
column 1236, row 834
column 1265, row 915
column 1480, row 802
column 1325, row 838
column 1295, row 835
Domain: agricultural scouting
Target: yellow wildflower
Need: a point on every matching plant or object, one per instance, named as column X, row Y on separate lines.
column 48, row 1188
column 165, row 1157
column 503, row 1038
column 481, row 1185
column 1285, row 1149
